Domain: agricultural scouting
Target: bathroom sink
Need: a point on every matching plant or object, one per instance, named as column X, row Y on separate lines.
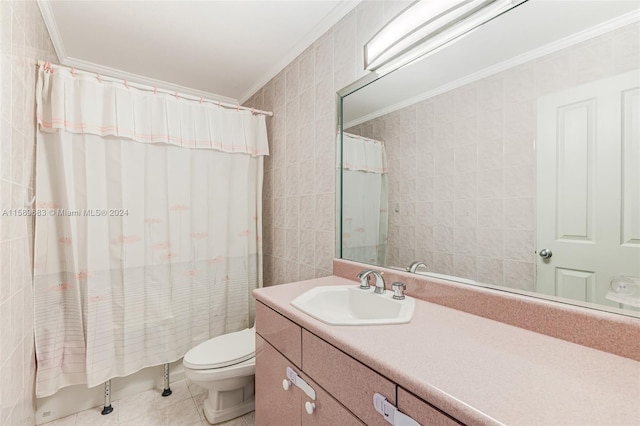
column 349, row 305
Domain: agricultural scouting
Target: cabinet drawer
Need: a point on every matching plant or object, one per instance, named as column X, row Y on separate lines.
column 422, row 411
column 349, row 381
column 281, row 333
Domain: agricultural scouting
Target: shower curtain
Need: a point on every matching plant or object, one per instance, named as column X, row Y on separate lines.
column 147, row 229
column 364, row 200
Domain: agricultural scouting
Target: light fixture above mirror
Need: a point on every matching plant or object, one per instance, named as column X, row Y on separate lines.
column 426, row 26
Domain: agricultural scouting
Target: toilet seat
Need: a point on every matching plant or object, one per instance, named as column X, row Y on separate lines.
column 222, row 351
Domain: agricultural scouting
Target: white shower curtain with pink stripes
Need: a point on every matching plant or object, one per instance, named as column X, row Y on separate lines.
column 147, row 230
column 364, row 200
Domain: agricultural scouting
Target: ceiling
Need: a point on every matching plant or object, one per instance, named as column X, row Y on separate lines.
column 226, row 48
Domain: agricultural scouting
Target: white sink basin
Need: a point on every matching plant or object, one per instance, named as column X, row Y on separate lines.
column 349, row 305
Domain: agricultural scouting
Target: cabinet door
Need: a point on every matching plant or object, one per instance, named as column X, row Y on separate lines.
column 327, row 410
column 348, row 381
column 421, row 411
column 274, row 405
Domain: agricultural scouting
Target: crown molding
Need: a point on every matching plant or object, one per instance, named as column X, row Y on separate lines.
column 331, row 19
column 58, row 45
column 52, row 27
column 547, row 49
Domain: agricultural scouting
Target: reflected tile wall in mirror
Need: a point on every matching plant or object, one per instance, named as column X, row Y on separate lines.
column 462, row 174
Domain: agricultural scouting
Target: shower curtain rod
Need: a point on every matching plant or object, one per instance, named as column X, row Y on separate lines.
column 154, row 89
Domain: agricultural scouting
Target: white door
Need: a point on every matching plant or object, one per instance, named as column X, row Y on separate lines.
column 588, row 180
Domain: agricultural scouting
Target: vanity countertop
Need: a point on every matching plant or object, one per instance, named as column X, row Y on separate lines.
column 482, row 371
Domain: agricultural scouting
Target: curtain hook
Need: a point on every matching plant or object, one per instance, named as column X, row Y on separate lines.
column 126, row 83
column 177, row 97
column 238, row 108
column 73, row 71
column 99, row 78
column 200, row 99
column 219, row 106
column 155, row 90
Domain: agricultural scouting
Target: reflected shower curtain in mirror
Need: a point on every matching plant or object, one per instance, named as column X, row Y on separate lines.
column 364, row 200
column 149, row 241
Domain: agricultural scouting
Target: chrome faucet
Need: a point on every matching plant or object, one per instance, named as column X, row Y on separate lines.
column 414, row 267
column 364, row 280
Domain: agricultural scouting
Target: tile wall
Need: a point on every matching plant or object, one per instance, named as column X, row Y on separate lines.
column 299, row 180
column 23, row 40
column 462, row 167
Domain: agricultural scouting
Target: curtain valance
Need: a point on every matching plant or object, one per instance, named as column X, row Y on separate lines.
column 363, row 154
column 84, row 104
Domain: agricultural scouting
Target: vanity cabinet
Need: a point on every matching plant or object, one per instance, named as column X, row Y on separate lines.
column 344, row 387
column 278, row 406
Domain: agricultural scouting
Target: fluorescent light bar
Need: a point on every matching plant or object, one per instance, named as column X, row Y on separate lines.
column 427, row 25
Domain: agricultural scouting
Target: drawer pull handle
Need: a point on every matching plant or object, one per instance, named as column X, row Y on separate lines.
column 286, row 384
column 309, row 406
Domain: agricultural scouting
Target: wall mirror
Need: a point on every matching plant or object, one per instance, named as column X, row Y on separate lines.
column 510, row 158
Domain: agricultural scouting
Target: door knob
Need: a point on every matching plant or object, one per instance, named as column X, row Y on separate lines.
column 545, row 253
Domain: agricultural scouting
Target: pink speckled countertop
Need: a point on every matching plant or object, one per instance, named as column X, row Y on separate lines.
column 481, row 371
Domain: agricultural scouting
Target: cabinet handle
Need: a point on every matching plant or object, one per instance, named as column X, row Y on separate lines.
column 309, row 406
column 286, row 384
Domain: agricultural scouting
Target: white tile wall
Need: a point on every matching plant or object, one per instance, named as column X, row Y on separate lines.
column 466, row 207
column 23, row 40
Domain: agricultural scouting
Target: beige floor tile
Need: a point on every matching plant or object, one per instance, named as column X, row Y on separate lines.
column 199, row 401
column 155, row 420
column 143, row 408
column 250, row 418
column 194, row 388
column 181, row 413
column 234, row 422
column 65, row 421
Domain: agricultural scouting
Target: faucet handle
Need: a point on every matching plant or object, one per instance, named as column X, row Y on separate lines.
column 398, row 290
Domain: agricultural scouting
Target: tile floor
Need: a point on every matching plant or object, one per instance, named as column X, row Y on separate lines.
column 148, row 408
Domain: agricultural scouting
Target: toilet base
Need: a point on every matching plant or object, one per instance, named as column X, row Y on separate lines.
column 230, row 398
column 219, row 416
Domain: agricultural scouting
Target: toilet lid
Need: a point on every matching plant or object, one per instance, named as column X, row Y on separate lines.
column 222, row 351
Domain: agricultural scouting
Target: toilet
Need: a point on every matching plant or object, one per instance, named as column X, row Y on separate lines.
column 225, row 365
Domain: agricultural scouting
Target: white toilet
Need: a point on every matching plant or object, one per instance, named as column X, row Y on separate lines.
column 225, row 365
